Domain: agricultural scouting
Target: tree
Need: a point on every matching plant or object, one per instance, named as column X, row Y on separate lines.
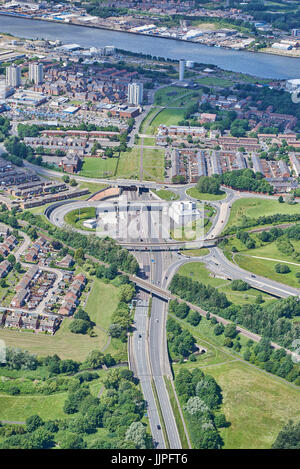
column 11, row 258
column 193, row 318
column 137, row 434
column 208, row 185
column 79, row 326
column 33, row 422
column 95, row 359
column 79, row 254
column 282, row 269
column 18, row 267
column 80, row 314
column 195, row 405
column 280, row 199
column 218, row 329
column 71, row 441
column 230, row 330
column 239, row 285
column 288, row 437
column 126, row 292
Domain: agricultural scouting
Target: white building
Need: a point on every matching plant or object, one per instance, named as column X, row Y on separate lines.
column 109, row 50
column 281, row 46
column 184, row 212
column 135, row 93
column 293, row 85
column 91, row 223
column 13, row 76
column 36, row 73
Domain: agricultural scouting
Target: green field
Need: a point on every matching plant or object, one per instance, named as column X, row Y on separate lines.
column 129, row 164
column 149, row 141
column 193, row 192
column 102, row 302
column 76, row 217
column 98, row 167
column 92, row 186
column 214, row 81
column 63, row 343
column 166, row 96
column 19, row 408
column 255, row 207
column 166, row 117
column 147, row 119
column 197, row 271
column 153, row 164
column 266, row 269
column 256, row 405
column 166, row 194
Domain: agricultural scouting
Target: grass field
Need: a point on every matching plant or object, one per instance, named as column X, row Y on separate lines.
column 101, row 303
column 268, row 250
column 256, row 405
column 76, row 217
column 197, row 271
column 193, row 192
column 166, row 194
column 167, row 117
column 166, row 96
column 266, row 268
column 19, row 408
column 63, row 343
column 153, row 164
column 129, row 163
column 214, row 81
column 98, row 167
column 149, row 141
column 255, row 207
column 148, row 118
column 92, row 186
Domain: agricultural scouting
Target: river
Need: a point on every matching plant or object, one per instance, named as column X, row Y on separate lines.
column 262, row 65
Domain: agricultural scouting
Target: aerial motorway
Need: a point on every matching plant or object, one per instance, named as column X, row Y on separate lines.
column 149, row 353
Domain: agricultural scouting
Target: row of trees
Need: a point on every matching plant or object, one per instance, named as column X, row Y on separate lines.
column 208, row 185
column 247, row 222
column 103, row 249
column 271, row 320
column 181, row 343
column 245, row 180
column 119, row 410
column 202, row 397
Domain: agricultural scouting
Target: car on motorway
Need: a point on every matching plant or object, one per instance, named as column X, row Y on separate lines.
column 158, row 427
column 254, row 276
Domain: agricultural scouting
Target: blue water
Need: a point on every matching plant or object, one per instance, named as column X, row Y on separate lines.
column 262, row 65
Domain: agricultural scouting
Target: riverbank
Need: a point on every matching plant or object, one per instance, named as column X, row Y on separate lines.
column 267, row 66
column 277, row 52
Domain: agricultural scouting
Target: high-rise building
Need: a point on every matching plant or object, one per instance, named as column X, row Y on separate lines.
column 181, row 69
column 13, row 75
column 135, row 93
column 36, row 73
